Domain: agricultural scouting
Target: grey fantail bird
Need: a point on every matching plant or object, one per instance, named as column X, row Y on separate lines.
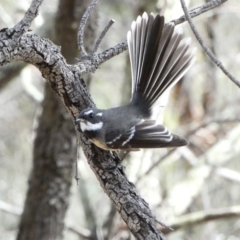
column 159, row 58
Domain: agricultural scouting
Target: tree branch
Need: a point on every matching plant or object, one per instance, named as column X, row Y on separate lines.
column 82, row 27
column 24, row 25
column 205, row 47
column 66, row 80
column 204, row 216
column 105, row 30
column 199, row 10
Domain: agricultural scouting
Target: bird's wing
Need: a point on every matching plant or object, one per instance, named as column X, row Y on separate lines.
column 146, row 134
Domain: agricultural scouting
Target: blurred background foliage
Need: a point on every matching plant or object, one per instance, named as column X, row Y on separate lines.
column 203, row 107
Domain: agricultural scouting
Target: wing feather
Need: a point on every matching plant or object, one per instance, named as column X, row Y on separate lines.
column 146, row 134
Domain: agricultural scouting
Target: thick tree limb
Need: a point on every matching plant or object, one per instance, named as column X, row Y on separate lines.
column 65, row 80
column 54, row 149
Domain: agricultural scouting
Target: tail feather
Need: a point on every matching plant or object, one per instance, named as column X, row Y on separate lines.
column 158, row 55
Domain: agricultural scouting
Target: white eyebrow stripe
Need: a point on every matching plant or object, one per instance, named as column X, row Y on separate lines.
column 86, row 113
column 99, row 114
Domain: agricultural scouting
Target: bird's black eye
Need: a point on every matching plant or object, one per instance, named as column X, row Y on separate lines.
column 91, row 115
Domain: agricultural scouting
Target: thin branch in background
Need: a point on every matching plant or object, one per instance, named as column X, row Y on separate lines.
column 77, row 159
column 105, row 30
column 155, row 165
column 204, row 216
column 199, row 10
column 82, row 27
column 191, row 132
column 204, row 46
column 9, row 208
column 228, row 174
column 121, row 47
column 83, row 233
column 90, row 216
column 205, row 124
column 108, row 224
column 76, row 162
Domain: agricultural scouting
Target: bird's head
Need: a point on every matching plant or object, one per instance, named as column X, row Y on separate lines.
column 90, row 119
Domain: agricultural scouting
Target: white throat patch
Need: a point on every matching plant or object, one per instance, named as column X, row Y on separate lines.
column 87, row 126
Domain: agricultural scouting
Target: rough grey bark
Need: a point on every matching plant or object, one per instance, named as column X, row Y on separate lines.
column 67, row 20
column 65, row 79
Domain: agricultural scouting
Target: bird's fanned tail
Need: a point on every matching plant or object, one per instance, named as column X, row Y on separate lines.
column 159, row 57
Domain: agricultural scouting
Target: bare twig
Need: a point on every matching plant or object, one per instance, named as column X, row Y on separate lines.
column 204, row 46
column 82, row 27
column 205, row 216
column 105, row 30
column 121, row 47
column 76, row 160
column 199, row 10
column 109, row 220
column 83, row 233
column 228, row 174
column 205, row 124
column 9, row 208
column 76, row 164
column 91, row 64
column 191, row 132
column 90, row 216
column 155, row 165
column 24, row 25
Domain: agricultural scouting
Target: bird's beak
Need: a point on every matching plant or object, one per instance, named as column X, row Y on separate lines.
column 78, row 120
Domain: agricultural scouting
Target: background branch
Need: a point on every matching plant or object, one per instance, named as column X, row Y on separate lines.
column 200, row 217
column 82, row 27
column 206, row 49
